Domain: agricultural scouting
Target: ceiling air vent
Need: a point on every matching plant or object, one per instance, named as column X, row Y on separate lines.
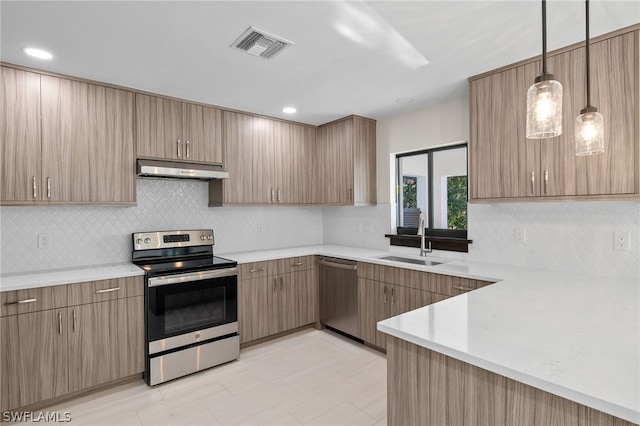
column 260, row 43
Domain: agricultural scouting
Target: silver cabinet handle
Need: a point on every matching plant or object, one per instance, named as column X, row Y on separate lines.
column 272, row 195
column 48, row 187
column 22, row 302
column 179, row 151
column 275, row 284
column 393, row 296
column 298, row 264
column 279, row 195
column 187, row 148
column 281, row 283
column 74, row 320
column 533, row 182
column 349, row 196
column 385, row 295
column 546, row 181
column 457, row 287
column 339, row 265
column 256, row 270
column 35, row 188
column 59, row 322
column 107, row 290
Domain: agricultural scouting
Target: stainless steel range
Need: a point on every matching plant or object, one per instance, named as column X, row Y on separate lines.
column 191, row 304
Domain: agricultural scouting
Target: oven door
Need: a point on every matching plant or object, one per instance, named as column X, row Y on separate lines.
column 192, row 302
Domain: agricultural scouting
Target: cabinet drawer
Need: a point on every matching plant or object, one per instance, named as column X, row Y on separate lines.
column 103, row 290
column 32, row 300
column 248, row 271
column 291, row 264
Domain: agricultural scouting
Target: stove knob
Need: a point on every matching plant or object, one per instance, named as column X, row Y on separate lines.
column 147, row 240
column 139, row 241
column 202, row 237
column 210, row 237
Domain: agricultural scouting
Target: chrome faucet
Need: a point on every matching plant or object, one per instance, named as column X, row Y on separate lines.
column 423, row 237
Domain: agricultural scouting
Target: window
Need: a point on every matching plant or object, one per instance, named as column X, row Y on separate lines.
column 434, row 182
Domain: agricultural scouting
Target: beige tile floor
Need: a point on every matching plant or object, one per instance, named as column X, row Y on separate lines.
column 308, row 378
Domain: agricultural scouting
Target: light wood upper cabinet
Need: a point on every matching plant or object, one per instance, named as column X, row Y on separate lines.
column 506, row 165
column 269, row 161
column 172, row 130
column 20, row 133
column 65, row 141
column 87, row 143
column 346, row 162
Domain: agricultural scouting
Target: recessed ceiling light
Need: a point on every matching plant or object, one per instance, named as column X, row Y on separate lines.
column 37, row 53
column 289, row 110
column 404, row 101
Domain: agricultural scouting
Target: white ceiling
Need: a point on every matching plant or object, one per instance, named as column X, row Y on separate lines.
column 348, row 58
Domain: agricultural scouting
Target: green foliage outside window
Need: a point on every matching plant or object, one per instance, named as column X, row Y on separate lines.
column 409, row 192
column 457, row 202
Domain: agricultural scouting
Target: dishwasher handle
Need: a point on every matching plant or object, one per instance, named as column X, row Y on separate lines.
column 353, row 267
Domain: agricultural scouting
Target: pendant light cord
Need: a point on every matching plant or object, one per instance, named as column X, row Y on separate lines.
column 544, row 37
column 587, row 56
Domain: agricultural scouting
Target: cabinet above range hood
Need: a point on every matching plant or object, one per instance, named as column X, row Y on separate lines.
column 179, row 170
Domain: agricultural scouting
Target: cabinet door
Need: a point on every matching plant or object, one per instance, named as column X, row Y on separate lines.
column 106, row 341
column 502, row 159
column 254, row 308
column 239, row 157
column 614, row 69
column 299, row 299
column 364, row 162
column 403, row 299
column 34, row 358
column 202, row 133
column 66, row 135
column 335, row 163
column 373, row 298
column 111, row 148
column 159, row 128
column 20, row 133
column 294, row 159
column 265, row 134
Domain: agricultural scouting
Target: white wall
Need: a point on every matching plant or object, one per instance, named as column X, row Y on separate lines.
column 87, row 235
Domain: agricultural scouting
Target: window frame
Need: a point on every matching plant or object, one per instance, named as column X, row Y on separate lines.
column 432, row 233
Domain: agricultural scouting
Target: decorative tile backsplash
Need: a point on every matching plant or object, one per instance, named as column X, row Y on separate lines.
column 86, row 235
column 565, row 236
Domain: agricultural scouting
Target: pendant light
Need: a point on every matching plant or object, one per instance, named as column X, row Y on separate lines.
column 544, row 98
column 589, row 124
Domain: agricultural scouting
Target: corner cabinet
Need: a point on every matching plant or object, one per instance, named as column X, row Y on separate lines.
column 168, row 129
column 268, row 161
column 65, row 141
column 505, row 166
column 345, row 170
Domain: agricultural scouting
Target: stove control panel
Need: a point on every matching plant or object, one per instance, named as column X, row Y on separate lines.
column 169, row 239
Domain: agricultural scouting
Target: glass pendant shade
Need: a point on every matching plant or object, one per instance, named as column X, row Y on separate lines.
column 589, row 133
column 544, row 109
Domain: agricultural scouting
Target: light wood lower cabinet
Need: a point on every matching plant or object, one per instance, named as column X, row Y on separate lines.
column 106, row 342
column 427, row 388
column 53, row 352
column 34, row 363
column 273, row 303
column 378, row 301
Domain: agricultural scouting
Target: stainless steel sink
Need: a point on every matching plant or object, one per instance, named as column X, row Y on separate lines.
column 424, row 262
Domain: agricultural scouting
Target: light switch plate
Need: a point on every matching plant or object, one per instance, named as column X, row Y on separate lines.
column 43, row 240
column 621, row 241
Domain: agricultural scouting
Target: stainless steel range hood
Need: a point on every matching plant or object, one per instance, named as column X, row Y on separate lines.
column 178, row 170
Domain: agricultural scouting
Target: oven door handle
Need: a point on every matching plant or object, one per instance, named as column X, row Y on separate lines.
column 192, row 276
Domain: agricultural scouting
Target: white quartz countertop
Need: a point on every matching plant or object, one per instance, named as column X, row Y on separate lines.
column 577, row 337
column 574, row 336
column 19, row 281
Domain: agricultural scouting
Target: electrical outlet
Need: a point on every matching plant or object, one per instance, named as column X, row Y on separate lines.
column 621, row 241
column 43, row 240
column 260, row 228
column 519, row 236
column 367, row 228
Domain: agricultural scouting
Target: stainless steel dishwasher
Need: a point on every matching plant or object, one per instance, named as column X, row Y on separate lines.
column 339, row 295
